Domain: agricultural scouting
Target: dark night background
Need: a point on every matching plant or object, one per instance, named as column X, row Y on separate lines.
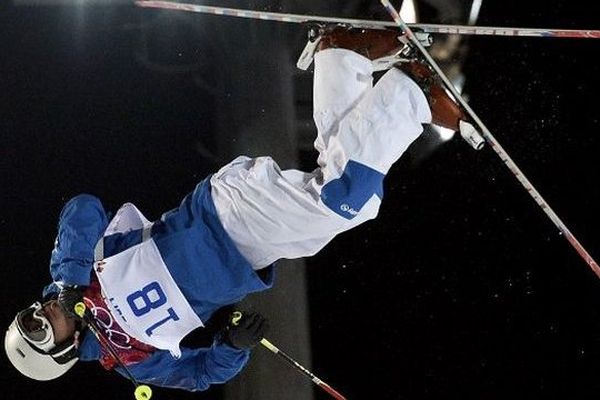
column 462, row 288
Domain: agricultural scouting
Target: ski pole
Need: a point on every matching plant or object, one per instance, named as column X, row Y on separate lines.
column 237, row 315
column 334, row 393
column 142, row 392
column 362, row 23
column 494, row 144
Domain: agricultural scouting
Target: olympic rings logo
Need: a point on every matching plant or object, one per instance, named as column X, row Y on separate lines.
column 106, row 322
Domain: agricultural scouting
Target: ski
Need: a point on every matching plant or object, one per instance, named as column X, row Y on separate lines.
column 494, row 144
column 372, row 24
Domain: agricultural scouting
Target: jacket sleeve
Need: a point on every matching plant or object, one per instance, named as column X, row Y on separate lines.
column 81, row 224
column 195, row 370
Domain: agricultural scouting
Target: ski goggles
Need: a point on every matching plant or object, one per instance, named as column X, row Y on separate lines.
column 35, row 327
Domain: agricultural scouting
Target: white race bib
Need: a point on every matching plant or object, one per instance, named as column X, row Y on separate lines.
column 140, row 291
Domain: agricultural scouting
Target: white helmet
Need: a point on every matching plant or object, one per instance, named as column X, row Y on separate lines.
column 29, row 344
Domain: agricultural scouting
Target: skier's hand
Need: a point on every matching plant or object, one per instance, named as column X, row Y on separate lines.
column 245, row 330
column 68, row 297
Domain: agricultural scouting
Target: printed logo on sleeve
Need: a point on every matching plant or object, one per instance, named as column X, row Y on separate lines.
column 346, row 208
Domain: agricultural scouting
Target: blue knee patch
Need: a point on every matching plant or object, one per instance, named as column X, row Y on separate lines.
column 347, row 194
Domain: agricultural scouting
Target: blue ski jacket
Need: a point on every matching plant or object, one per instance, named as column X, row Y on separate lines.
column 200, row 256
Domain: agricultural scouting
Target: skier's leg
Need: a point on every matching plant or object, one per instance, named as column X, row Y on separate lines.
column 378, row 129
column 272, row 214
column 380, row 44
column 343, row 77
column 341, row 80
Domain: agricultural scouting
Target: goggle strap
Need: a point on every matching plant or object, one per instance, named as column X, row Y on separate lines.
column 66, row 355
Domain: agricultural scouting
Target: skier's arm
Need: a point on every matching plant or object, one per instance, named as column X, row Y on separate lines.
column 195, row 370
column 81, row 223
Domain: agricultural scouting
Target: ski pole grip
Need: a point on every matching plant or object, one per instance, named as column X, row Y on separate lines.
column 79, row 309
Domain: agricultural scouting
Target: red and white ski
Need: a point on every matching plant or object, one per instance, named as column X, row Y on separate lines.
column 365, row 23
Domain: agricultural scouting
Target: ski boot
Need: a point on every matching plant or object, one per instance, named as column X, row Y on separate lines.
column 382, row 46
column 445, row 112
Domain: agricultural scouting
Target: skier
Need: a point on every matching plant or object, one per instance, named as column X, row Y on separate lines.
column 148, row 285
